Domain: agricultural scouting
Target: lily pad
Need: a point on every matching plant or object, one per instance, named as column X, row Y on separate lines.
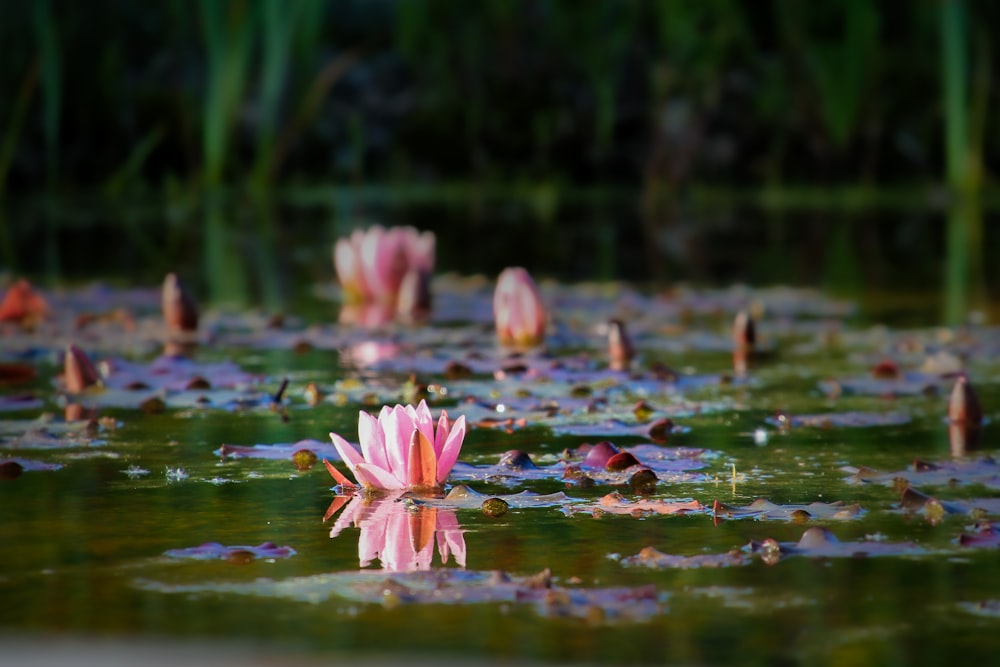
column 816, row 542
column 279, row 450
column 984, row 471
column 840, row 420
column 445, row 586
column 464, row 497
column 238, row 554
column 616, row 503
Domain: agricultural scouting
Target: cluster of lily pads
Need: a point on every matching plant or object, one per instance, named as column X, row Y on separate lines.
column 428, row 360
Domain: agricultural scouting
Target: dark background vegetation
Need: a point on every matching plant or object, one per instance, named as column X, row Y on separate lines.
column 841, row 142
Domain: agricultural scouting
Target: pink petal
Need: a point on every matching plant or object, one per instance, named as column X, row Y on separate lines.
column 441, row 434
column 372, row 440
column 399, row 554
column 398, row 427
column 424, row 421
column 348, row 454
column 377, row 478
column 420, row 251
column 340, row 479
column 371, row 542
column 423, row 461
column 346, row 261
column 450, row 538
column 451, row 449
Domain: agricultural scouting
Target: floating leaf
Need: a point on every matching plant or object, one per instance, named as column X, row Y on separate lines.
column 765, row 509
column 237, row 554
column 615, row 503
column 840, row 420
column 657, row 560
column 461, row 496
column 445, row 586
column 279, row 450
column 984, row 471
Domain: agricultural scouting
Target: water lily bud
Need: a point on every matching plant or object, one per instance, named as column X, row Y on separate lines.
column 744, row 338
column 620, row 350
column 180, row 313
column 518, row 310
column 78, row 371
column 963, row 405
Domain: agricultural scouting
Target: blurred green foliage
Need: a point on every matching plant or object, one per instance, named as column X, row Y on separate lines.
column 125, row 95
column 784, row 103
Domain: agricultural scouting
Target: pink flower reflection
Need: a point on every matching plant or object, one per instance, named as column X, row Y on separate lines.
column 370, row 353
column 401, row 538
column 367, row 315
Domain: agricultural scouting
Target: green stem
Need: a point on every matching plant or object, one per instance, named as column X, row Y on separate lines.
column 953, row 76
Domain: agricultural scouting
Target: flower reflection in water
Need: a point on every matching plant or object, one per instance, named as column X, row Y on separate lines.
column 402, row 538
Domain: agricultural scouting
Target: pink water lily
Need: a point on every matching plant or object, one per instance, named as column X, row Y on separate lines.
column 401, row 538
column 401, row 449
column 518, row 309
column 371, row 263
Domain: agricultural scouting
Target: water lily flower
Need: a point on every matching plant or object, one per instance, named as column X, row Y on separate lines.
column 22, row 304
column 518, row 309
column 401, row 449
column 371, row 263
column 401, row 538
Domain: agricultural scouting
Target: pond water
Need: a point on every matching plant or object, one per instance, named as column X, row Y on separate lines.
column 192, row 518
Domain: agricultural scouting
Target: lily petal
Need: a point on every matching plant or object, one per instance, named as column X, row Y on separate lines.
column 347, row 452
column 424, row 421
column 451, row 449
column 376, row 478
column 423, row 461
column 372, row 440
column 340, row 479
column 442, row 433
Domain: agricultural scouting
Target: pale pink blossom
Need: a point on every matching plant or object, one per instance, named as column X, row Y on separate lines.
column 402, row 449
column 371, row 263
column 518, row 309
column 401, row 538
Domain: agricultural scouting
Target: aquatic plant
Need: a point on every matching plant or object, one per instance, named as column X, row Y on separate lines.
column 78, row 370
column 518, row 310
column 620, row 349
column 372, row 263
column 401, row 449
column 22, row 304
column 180, row 313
